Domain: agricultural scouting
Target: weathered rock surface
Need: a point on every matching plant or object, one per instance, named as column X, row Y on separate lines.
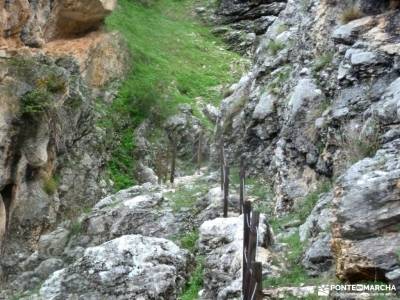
column 367, row 209
column 221, row 242
column 320, row 97
column 52, row 154
column 35, row 23
column 241, row 23
column 129, row 267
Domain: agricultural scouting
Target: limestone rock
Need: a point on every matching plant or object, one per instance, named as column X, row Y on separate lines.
column 365, row 247
column 221, row 241
column 74, row 17
column 129, row 267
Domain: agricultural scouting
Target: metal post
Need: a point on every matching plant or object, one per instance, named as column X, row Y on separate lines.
column 242, row 184
column 199, row 151
column 222, row 162
column 246, row 235
column 256, row 285
column 173, row 162
column 226, row 191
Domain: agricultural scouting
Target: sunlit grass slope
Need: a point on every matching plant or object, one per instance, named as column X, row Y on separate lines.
column 175, row 60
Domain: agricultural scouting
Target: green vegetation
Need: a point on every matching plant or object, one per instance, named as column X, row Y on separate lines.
column 50, row 185
column 75, row 229
column 359, row 145
column 279, row 78
column 195, row 283
column 296, row 274
column 350, row 14
column 185, row 196
column 175, row 60
column 189, row 240
column 322, row 61
column 36, row 101
column 274, row 47
column 307, row 205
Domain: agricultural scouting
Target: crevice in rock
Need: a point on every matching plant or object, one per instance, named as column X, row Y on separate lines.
column 8, row 195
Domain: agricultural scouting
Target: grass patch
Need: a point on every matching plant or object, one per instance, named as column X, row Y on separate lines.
column 50, row 185
column 75, row 229
column 350, row 14
column 322, row 61
column 303, row 210
column 195, row 283
column 280, row 77
column 358, row 145
column 274, row 47
column 175, row 60
column 186, row 196
column 309, row 202
column 296, row 274
column 189, row 240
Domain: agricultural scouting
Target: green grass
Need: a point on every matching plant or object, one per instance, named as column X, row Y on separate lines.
column 50, row 185
column 306, row 206
column 185, row 197
column 189, row 240
column 322, row 61
column 175, row 59
column 75, row 229
column 274, row 47
column 296, row 274
column 195, row 283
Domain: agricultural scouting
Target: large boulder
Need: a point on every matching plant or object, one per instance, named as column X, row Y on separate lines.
column 221, row 242
column 129, row 267
column 71, row 17
column 366, row 235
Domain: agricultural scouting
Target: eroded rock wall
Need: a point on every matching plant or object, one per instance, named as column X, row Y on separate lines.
column 55, row 62
column 319, row 102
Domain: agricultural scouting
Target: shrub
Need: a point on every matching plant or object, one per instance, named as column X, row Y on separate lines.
column 350, row 14
column 189, row 240
column 52, row 83
column 50, row 185
column 35, row 101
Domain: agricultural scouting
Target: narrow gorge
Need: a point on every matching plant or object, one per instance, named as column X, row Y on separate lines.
column 115, row 118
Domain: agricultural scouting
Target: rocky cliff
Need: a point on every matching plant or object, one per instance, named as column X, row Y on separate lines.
column 55, row 61
column 320, row 105
column 316, row 119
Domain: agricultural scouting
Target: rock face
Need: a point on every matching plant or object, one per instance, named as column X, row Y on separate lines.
column 121, row 240
column 242, row 23
column 54, row 62
column 129, row 267
column 221, row 242
column 366, row 238
column 322, row 95
column 35, row 23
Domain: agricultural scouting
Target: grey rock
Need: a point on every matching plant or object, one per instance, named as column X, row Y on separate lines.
column 319, row 220
column 318, row 257
column 48, row 267
column 368, row 188
column 129, row 267
column 221, row 242
column 264, row 107
column 348, row 33
column 53, row 244
column 305, row 91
